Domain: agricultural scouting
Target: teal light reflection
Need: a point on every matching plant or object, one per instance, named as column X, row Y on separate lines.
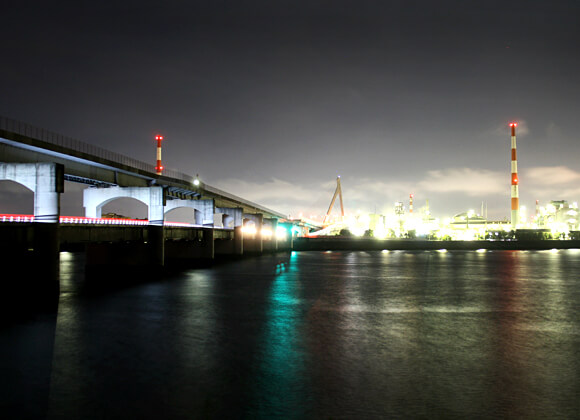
column 282, row 388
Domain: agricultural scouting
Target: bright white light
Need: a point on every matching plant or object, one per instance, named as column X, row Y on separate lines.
column 380, row 232
column 249, row 230
column 281, row 232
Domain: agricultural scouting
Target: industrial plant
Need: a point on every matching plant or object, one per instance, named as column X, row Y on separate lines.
column 557, row 219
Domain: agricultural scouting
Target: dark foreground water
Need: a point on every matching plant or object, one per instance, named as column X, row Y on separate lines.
column 358, row 335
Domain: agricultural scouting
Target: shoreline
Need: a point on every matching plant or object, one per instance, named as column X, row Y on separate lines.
column 371, row 244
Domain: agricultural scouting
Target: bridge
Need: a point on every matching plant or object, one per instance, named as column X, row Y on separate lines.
column 41, row 160
column 111, row 174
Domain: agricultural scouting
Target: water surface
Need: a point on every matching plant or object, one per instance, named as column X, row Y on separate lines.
column 400, row 334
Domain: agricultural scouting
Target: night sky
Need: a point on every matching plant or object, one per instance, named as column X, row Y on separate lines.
column 271, row 100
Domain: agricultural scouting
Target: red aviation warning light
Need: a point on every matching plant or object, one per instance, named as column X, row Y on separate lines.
column 513, row 125
column 159, row 168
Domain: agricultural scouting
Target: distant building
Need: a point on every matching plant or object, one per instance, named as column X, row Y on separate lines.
column 114, row 216
column 399, row 208
column 559, row 216
column 468, row 220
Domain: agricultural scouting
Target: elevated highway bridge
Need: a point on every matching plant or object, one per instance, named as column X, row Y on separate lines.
column 224, row 224
column 41, row 160
column 80, row 162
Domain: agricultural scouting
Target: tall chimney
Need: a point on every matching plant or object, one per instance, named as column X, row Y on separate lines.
column 159, row 168
column 515, row 214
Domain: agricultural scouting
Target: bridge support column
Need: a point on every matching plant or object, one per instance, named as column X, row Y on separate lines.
column 229, row 242
column 49, row 186
column 156, row 245
column 154, row 197
column 253, row 241
column 45, row 180
column 270, row 240
column 204, row 209
column 230, row 217
column 189, row 246
column 238, row 240
column 156, row 206
column 127, row 257
column 287, row 242
column 38, row 283
column 209, row 245
column 155, row 230
column 227, row 217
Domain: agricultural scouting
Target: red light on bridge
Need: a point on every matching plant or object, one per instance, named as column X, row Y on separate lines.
column 158, row 137
column 513, row 124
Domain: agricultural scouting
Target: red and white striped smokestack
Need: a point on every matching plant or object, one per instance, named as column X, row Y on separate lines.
column 515, row 192
column 410, row 203
column 159, row 168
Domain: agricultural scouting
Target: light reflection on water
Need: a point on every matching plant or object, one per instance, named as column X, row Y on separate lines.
column 327, row 335
column 281, row 378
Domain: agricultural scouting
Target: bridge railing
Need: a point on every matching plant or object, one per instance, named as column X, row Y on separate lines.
column 18, row 127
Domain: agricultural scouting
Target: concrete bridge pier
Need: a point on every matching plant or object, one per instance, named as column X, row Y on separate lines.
column 229, row 242
column 270, row 240
column 156, row 245
column 253, row 240
column 194, row 247
column 124, row 258
column 153, row 197
column 239, row 240
column 204, row 209
column 155, row 230
column 36, row 283
column 286, row 243
column 229, row 218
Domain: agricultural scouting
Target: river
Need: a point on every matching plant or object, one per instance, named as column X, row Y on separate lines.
column 400, row 334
